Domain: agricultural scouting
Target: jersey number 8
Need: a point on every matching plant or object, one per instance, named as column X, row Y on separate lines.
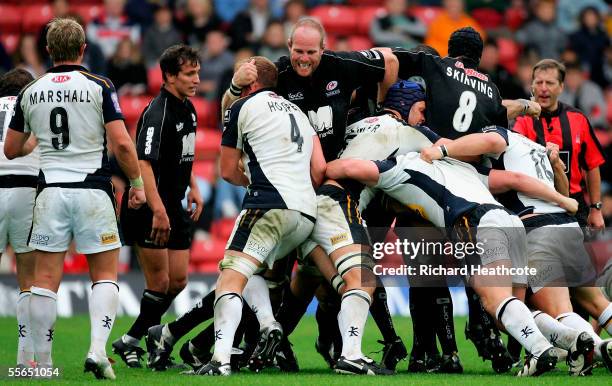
column 465, row 112
column 58, row 121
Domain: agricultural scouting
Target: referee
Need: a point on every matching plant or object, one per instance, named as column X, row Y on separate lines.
column 161, row 231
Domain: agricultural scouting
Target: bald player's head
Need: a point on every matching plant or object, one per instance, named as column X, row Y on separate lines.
column 306, row 45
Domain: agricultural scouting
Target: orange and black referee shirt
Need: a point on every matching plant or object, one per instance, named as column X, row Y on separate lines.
column 569, row 128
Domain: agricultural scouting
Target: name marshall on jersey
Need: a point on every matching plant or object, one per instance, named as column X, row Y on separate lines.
column 60, row 96
column 467, row 76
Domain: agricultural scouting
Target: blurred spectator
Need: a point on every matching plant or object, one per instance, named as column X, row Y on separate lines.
column 200, row 20
column 228, row 199
column 294, row 10
column 569, row 56
column 516, row 14
column 498, row 5
column 523, row 73
column 215, row 60
column 249, row 25
column 274, row 44
column 226, row 78
column 342, row 44
column 141, row 11
column 568, row 11
column 508, row 86
column 541, row 34
column 450, row 19
column 6, row 63
column 159, row 36
column 59, row 8
column 607, row 67
column 112, row 27
column 26, row 56
column 126, row 69
column 584, row 94
column 395, row 28
column 590, row 42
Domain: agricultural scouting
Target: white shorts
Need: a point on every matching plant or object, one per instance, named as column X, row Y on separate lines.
column 16, row 206
column 338, row 222
column 85, row 215
column 269, row 234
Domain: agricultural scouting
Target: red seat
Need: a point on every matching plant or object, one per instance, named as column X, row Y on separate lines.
column 508, row 54
column 34, row 17
column 10, row 41
column 208, row 251
column 132, row 107
column 426, row 14
column 88, row 11
column 366, row 2
column 358, row 43
column 205, row 170
column 222, row 228
column 10, row 19
column 488, row 18
column 365, row 17
column 206, row 112
column 154, row 79
column 208, row 144
column 515, row 17
column 340, row 20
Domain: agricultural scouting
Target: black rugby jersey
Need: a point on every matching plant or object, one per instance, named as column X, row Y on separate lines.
column 325, row 96
column 460, row 100
column 166, row 138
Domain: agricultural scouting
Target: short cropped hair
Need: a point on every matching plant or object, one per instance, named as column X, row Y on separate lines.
column 547, row 64
column 13, row 81
column 308, row 22
column 173, row 58
column 65, row 37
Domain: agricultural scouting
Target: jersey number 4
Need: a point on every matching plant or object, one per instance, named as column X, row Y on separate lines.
column 58, row 122
column 296, row 135
column 465, row 112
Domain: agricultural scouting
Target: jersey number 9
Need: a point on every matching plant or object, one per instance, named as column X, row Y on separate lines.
column 58, row 122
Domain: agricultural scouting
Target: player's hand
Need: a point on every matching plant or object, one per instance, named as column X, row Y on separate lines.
column 160, row 232
column 431, row 153
column 552, row 149
column 194, row 198
column 136, row 198
column 570, row 205
column 246, row 74
column 534, row 109
column 595, row 220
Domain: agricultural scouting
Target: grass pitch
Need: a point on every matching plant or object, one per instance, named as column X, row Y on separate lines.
column 72, row 341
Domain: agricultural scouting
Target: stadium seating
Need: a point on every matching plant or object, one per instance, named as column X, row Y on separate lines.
column 366, row 2
column 34, row 17
column 206, row 254
column 508, row 54
column 154, row 79
column 132, row 107
column 340, row 20
column 9, row 41
column 365, row 17
column 488, row 18
column 359, row 43
column 426, row 14
column 87, row 11
column 10, row 19
column 206, row 110
column 208, row 144
column 205, row 169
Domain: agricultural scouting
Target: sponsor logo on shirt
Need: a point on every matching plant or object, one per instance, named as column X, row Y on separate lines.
column 115, row 100
column 472, row 72
column 60, row 78
column 338, row 238
column 295, row 96
column 332, row 88
column 149, row 140
column 108, row 238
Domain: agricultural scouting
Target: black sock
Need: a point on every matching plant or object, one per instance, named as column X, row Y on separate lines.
column 200, row 313
column 445, row 326
column 291, row 311
column 578, row 309
column 327, row 321
column 250, row 328
column 382, row 316
column 152, row 306
column 514, row 348
column 424, row 333
column 205, row 340
column 478, row 315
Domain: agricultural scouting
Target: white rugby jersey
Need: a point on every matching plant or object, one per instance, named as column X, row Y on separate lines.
column 379, row 137
column 527, row 157
column 22, row 166
column 66, row 109
column 439, row 192
column 276, row 140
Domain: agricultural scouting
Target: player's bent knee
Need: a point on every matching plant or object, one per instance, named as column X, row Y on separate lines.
column 240, row 264
column 177, row 285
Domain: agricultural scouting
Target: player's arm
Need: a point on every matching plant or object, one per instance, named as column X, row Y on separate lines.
column 592, row 157
column 560, row 178
column 160, row 227
column 391, row 69
column 518, row 107
column 317, row 163
column 15, row 144
column 244, row 75
column 466, row 147
column 230, row 169
column 501, row 181
column 194, row 197
column 593, row 184
column 363, row 171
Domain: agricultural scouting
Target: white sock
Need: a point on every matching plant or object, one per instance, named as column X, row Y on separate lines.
column 167, row 334
column 605, row 319
column 228, row 312
column 573, row 320
column 257, row 296
column 351, row 320
column 102, row 311
column 25, row 349
column 43, row 313
column 557, row 333
column 517, row 319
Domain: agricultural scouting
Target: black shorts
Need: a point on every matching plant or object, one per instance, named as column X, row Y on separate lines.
column 136, row 226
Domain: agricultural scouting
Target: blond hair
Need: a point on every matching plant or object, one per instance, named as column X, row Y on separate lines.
column 65, row 37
